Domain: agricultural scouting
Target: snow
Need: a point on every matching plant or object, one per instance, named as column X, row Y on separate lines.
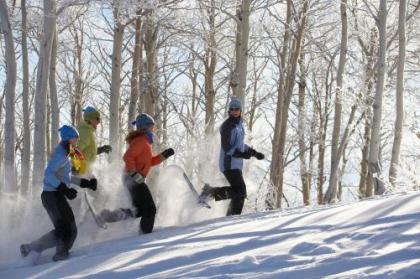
column 377, row 238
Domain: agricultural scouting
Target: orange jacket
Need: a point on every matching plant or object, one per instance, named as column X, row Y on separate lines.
column 138, row 156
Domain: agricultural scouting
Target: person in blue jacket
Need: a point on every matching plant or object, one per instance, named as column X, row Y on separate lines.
column 232, row 152
column 56, row 190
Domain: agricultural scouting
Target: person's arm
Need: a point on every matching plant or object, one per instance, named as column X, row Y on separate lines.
column 54, row 164
column 156, row 160
column 226, row 134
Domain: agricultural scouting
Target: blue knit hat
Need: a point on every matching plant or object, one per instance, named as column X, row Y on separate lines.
column 235, row 104
column 143, row 120
column 90, row 113
column 68, row 133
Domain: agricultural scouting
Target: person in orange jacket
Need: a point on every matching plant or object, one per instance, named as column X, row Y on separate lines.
column 138, row 161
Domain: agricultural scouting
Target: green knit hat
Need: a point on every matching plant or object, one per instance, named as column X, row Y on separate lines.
column 90, row 113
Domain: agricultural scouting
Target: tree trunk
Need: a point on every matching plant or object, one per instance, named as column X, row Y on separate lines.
column 9, row 124
column 289, row 85
column 55, row 111
column 304, row 174
column 331, row 193
column 276, row 158
column 374, row 164
column 41, row 90
column 135, row 82
column 238, row 82
column 210, row 68
column 365, row 184
column 363, row 189
column 26, row 150
column 400, row 94
column 114, row 106
column 152, row 82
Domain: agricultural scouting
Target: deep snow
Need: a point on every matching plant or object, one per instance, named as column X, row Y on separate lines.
column 377, row 238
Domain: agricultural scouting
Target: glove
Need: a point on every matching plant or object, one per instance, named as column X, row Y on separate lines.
column 259, row 155
column 256, row 154
column 89, row 183
column 70, row 193
column 167, row 153
column 137, row 177
column 240, row 154
column 104, row 149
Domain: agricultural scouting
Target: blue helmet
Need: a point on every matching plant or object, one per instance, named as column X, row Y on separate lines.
column 68, row 133
column 143, row 120
column 235, row 104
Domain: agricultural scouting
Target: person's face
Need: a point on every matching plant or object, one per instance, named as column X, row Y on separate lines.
column 95, row 122
column 73, row 141
column 151, row 128
column 235, row 112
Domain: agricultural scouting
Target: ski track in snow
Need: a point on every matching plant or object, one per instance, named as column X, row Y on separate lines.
column 377, row 238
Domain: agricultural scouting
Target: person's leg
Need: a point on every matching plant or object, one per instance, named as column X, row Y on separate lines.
column 48, row 240
column 111, row 216
column 70, row 232
column 67, row 231
column 143, row 201
column 237, row 192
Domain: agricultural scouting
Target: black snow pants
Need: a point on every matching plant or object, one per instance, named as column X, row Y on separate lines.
column 65, row 231
column 236, row 191
column 143, row 202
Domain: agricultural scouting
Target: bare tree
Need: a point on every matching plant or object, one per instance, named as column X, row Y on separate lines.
column 400, row 93
column 49, row 26
column 55, row 111
column 26, row 150
column 238, row 80
column 136, row 70
column 331, row 193
column 9, row 129
column 374, row 164
column 284, row 98
column 114, row 105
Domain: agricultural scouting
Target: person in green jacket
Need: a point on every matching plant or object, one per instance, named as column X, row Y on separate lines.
column 83, row 165
column 87, row 140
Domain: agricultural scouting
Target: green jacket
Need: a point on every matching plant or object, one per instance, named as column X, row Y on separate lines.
column 87, row 143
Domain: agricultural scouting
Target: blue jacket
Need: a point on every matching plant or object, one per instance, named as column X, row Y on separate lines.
column 232, row 135
column 58, row 169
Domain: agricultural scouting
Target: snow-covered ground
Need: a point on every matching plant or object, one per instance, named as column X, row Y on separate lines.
column 378, row 238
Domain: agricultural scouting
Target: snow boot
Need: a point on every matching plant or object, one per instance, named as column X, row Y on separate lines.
column 25, row 249
column 207, row 193
column 108, row 216
column 60, row 256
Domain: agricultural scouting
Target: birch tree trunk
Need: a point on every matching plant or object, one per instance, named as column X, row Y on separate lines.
column 150, row 42
column 26, row 150
column 365, row 184
column 374, row 164
column 77, row 97
column 9, row 124
column 135, row 76
column 276, row 158
column 55, row 111
column 289, row 85
column 210, row 60
column 238, row 81
column 114, row 106
column 41, row 90
column 304, row 174
column 395, row 159
column 331, row 193
column 363, row 188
